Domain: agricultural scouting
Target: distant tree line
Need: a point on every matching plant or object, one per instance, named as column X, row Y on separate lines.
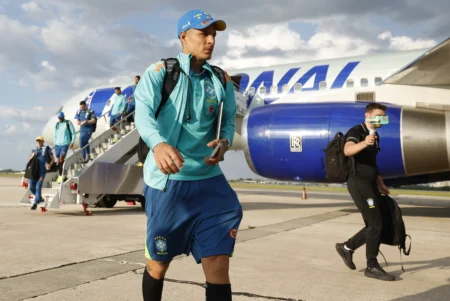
column 9, row 171
column 420, row 187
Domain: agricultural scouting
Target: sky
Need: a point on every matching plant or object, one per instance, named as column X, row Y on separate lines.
column 50, row 49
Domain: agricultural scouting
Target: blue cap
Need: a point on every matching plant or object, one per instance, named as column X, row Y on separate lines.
column 61, row 115
column 198, row 19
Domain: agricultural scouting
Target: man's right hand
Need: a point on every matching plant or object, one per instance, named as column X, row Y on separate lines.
column 168, row 158
column 370, row 140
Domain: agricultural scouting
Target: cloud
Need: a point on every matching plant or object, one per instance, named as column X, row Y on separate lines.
column 31, row 7
column 407, row 12
column 404, row 42
column 47, row 66
column 26, row 126
column 97, row 51
column 9, row 130
column 19, row 47
column 92, row 53
column 264, row 45
column 34, row 11
column 35, row 114
column 23, row 83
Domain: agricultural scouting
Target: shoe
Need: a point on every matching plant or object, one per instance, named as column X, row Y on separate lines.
column 58, row 181
column 33, row 207
column 346, row 255
column 377, row 272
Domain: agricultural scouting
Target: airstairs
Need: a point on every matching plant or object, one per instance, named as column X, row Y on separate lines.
column 111, row 174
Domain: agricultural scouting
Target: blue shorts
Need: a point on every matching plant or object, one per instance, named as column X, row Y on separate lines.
column 61, row 150
column 199, row 217
column 114, row 119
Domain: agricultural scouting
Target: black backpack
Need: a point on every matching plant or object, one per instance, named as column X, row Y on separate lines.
column 173, row 70
column 32, row 169
column 337, row 165
column 67, row 125
column 394, row 230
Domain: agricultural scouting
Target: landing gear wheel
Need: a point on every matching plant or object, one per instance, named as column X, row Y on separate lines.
column 107, row 202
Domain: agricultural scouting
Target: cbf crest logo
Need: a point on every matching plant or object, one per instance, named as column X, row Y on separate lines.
column 371, row 203
column 161, row 245
column 209, row 90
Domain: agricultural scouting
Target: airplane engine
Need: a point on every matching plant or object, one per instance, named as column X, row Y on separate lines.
column 286, row 141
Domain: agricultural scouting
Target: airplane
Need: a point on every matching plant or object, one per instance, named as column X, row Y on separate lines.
column 287, row 114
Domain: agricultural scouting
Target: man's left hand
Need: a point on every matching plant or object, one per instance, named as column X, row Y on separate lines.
column 384, row 190
column 220, row 154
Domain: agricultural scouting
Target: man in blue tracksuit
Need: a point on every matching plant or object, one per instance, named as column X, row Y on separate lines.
column 86, row 120
column 44, row 155
column 131, row 101
column 190, row 206
column 64, row 139
column 118, row 109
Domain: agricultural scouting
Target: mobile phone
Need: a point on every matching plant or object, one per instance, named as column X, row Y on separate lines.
column 215, row 151
column 379, row 120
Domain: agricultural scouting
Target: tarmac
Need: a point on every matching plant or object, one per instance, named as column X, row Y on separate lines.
column 285, row 251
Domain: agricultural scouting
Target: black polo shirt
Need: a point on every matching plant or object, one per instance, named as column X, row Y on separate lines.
column 365, row 160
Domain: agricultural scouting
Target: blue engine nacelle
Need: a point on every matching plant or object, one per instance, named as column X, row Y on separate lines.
column 286, row 141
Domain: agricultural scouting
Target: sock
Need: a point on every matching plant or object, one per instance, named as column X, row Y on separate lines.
column 151, row 288
column 60, row 168
column 218, row 292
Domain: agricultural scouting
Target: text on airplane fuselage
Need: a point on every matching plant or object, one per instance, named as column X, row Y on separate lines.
column 265, row 79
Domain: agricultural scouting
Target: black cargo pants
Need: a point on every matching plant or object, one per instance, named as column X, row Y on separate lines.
column 367, row 198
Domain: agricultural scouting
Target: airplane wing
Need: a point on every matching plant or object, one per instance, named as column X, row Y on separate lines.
column 430, row 69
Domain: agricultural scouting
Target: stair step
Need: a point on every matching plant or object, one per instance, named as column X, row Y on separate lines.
column 48, row 195
column 49, row 192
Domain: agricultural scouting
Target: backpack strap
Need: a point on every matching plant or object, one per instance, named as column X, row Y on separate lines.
column 409, row 249
column 170, row 80
column 68, row 129
column 173, row 70
column 220, row 74
column 171, row 76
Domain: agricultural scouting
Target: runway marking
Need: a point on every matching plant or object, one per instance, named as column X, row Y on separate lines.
column 47, row 281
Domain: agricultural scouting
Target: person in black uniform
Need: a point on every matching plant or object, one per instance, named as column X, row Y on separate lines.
column 366, row 186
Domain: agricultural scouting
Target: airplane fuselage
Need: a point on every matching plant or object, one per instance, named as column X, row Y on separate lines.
column 337, row 80
column 264, row 85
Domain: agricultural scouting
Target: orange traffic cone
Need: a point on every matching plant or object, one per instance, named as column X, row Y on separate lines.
column 304, row 197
